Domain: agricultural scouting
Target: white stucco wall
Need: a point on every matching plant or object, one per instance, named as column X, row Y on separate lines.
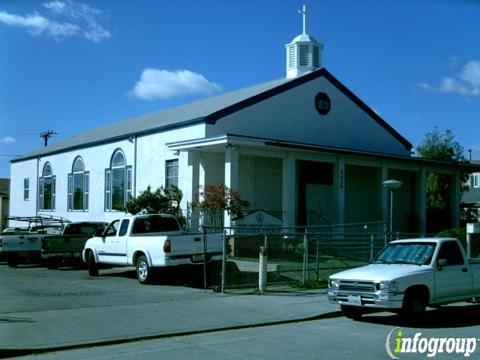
column 260, row 182
column 18, row 172
column 151, row 155
column 291, row 116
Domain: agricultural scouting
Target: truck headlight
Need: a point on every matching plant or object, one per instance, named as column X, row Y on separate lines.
column 387, row 286
column 333, row 284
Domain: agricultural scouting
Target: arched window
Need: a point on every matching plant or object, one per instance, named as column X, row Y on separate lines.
column 46, row 189
column 78, row 186
column 118, row 182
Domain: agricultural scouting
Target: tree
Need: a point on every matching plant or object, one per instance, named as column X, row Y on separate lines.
column 440, row 146
column 163, row 200
column 218, row 198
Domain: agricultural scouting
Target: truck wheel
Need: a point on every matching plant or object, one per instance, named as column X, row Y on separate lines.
column 12, row 260
column 414, row 304
column 92, row 265
column 352, row 312
column 144, row 271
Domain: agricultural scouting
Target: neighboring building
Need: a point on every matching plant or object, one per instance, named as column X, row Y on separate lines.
column 471, row 197
column 298, row 145
column 4, row 200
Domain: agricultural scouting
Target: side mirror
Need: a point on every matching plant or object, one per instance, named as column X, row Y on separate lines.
column 441, row 263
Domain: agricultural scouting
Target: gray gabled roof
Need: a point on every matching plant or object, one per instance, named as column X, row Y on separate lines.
column 203, row 111
column 182, row 115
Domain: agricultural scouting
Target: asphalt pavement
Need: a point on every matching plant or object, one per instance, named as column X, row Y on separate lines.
column 41, row 312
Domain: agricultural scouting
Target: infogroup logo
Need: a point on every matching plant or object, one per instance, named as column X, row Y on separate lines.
column 397, row 343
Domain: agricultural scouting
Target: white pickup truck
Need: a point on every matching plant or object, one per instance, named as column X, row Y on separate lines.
column 406, row 277
column 148, row 242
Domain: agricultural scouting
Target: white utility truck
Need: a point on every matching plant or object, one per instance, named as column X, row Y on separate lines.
column 25, row 242
column 148, row 242
column 406, row 277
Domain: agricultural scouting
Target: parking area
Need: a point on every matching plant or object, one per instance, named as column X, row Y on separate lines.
column 47, row 310
column 36, row 288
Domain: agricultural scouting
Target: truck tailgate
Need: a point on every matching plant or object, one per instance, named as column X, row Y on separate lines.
column 191, row 244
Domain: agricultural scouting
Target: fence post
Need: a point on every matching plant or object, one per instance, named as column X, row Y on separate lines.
column 386, row 234
column 204, row 258
column 317, row 254
column 305, row 257
column 224, row 260
column 372, row 239
column 262, row 269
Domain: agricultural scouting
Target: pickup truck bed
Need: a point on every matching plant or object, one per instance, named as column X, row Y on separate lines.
column 69, row 246
column 25, row 243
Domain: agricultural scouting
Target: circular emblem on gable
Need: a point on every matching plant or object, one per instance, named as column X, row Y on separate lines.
column 322, row 103
column 259, row 217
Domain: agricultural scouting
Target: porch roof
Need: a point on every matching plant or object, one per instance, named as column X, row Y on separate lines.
column 218, row 143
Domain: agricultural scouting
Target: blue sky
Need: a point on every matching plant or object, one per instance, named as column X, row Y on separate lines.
column 74, row 65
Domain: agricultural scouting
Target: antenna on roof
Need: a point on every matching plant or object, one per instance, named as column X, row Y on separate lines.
column 47, row 135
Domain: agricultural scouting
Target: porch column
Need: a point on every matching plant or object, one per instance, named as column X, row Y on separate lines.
column 188, row 182
column 455, row 198
column 340, row 185
column 423, row 200
column 231, row 176
column 289, row 190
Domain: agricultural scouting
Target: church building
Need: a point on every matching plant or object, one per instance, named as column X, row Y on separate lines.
column 304, row 148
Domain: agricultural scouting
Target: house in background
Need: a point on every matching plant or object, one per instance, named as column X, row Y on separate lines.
column 303, row 147
column 471, row 197
column 4, row 200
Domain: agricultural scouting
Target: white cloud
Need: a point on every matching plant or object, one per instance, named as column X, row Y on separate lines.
column 37, row 25
column 466, row 83
column 471, row 73
column 67, row 19
column 164, row 84
column 7, row 140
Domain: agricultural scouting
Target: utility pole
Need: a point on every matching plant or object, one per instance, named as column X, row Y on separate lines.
column 47, row 135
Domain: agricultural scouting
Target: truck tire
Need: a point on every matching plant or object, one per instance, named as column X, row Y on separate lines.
column 143, row 270
column 12, row 260
column 352, row 312
column 414, row 304
column 92, row 265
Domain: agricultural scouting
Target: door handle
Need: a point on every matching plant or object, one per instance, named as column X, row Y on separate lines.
column 197, row 239
column 464, row 270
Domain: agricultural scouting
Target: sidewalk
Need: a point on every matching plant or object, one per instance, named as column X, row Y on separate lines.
column 39, row 331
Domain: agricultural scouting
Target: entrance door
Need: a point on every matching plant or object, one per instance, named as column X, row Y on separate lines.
column 319, row 205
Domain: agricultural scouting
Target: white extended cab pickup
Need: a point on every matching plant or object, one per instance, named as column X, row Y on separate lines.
column 147, row 242
column 406, row 277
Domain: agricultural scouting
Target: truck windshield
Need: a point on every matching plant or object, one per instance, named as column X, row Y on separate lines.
column 418, row 253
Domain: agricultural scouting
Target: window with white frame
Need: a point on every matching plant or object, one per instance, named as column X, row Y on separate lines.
column 46, row 189
column 475, row 180
column 26, row 189
column 118, row 182
column 78, row 186
column 171, row 173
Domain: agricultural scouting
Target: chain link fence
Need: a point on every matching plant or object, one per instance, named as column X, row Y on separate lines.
column 300, row 257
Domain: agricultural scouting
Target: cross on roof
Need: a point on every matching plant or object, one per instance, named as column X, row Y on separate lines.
column 304, row 15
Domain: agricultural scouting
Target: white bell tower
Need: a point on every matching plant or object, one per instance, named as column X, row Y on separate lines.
column 304, row 53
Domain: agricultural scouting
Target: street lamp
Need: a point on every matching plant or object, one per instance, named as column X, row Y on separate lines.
column 391, row 185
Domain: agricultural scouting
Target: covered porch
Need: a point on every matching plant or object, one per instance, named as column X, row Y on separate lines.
column 307, row 185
